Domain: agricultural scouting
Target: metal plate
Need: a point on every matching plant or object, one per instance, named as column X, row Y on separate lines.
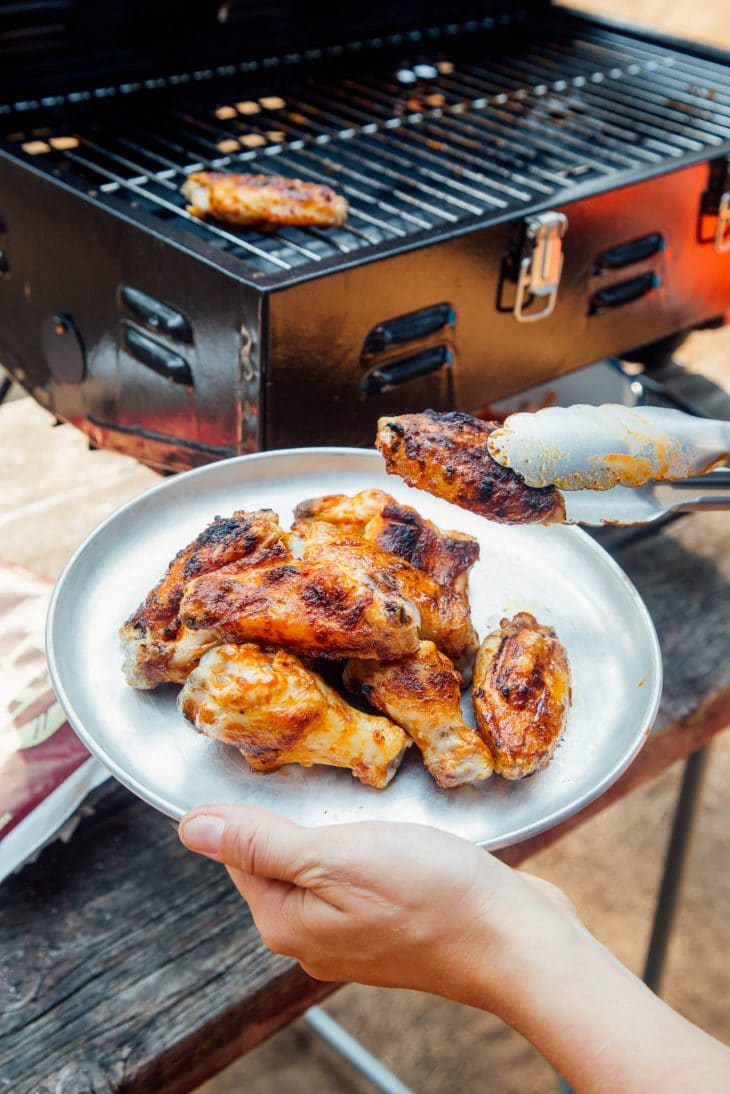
column 558, row 573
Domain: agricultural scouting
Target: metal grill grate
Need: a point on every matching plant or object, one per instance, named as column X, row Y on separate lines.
column 479, row 127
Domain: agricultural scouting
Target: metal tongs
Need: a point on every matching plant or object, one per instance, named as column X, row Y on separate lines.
column 618, row 464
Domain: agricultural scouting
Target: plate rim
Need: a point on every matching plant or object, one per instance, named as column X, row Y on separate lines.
column 159, row 802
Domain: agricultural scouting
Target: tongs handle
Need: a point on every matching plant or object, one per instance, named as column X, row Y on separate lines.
column 701, row 492
column 599, row 447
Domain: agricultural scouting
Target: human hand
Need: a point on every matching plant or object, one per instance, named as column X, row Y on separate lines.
column 394, row 905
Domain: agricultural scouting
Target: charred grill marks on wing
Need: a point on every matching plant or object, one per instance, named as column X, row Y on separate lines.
column 522, row 693
column 446, row 454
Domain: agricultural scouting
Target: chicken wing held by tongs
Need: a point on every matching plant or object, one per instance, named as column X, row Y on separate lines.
column 447, row 454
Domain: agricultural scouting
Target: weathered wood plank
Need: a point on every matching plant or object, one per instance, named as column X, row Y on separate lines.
column 128, row 963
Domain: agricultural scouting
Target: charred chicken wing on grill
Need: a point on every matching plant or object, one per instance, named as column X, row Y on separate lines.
column 319, row 606
column 263, row 201
column 159, row 648
column 447, row 455
column 276, row 711
column 521, row 695
column 421, row 694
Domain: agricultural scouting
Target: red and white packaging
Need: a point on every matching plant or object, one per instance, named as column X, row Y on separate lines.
column 45, row 771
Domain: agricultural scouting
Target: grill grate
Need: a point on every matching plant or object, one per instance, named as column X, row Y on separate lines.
column 481, row 126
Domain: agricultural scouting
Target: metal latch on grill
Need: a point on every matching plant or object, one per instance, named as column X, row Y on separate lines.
column 715, row 206
column 540, row 265
column 722, row 229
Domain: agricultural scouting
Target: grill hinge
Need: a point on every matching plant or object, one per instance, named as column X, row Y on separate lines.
column 540, row 265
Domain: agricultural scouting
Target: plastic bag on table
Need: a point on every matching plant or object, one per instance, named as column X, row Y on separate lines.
column 45, row 771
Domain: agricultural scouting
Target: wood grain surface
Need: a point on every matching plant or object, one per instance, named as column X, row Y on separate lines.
column 129, row 964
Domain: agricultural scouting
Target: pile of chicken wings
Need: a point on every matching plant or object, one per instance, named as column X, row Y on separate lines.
column 268, row 629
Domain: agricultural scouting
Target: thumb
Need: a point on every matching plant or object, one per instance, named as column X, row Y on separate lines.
column 253, row 841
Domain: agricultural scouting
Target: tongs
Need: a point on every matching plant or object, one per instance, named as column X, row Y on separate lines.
column 617, row 464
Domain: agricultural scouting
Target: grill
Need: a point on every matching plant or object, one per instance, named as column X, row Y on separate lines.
column 529, row 191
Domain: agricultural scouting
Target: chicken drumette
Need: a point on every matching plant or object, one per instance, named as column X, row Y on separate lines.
column 521, row 695
column 421, row 694
column 276, row 711
column 159, row 648
column 447, row 455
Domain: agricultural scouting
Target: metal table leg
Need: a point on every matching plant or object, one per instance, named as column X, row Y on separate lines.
column 5, row 385
column 674, row 867
column 355, row 1053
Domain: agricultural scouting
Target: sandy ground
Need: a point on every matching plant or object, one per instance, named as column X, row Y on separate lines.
column 610, row 867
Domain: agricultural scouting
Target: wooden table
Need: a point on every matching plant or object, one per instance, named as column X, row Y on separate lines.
column 127, row 963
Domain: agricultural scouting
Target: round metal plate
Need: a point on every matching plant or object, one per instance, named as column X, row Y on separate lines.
column 558, row 573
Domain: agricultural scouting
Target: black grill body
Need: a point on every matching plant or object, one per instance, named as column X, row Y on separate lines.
column 530, row 191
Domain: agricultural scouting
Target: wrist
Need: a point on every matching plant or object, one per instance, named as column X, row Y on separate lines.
column 509, row 933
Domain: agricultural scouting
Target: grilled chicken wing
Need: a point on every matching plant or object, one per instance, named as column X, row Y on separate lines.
column 444, row 618
column 400, row 529
column 158, row 646
column 521, row 695
column 447, row 455
column 330, row 606
column 348, row 514
column 446, row 557
column 421, row 694
column 276, row 712
column 263, row 201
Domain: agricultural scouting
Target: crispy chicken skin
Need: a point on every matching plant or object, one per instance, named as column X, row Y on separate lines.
column 447, row 455
column 521, row 695
column 444, row 618
column 421, row 694
column 400, row 529
column 276, row 711
column 447, row 557
column 350, row 514
column 329, row 607
column 263, row 201
column 158, row 647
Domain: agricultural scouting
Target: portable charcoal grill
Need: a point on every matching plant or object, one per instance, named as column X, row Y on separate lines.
column 530, row 191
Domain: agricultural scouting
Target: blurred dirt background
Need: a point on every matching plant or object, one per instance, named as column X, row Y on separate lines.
column 610, row 867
